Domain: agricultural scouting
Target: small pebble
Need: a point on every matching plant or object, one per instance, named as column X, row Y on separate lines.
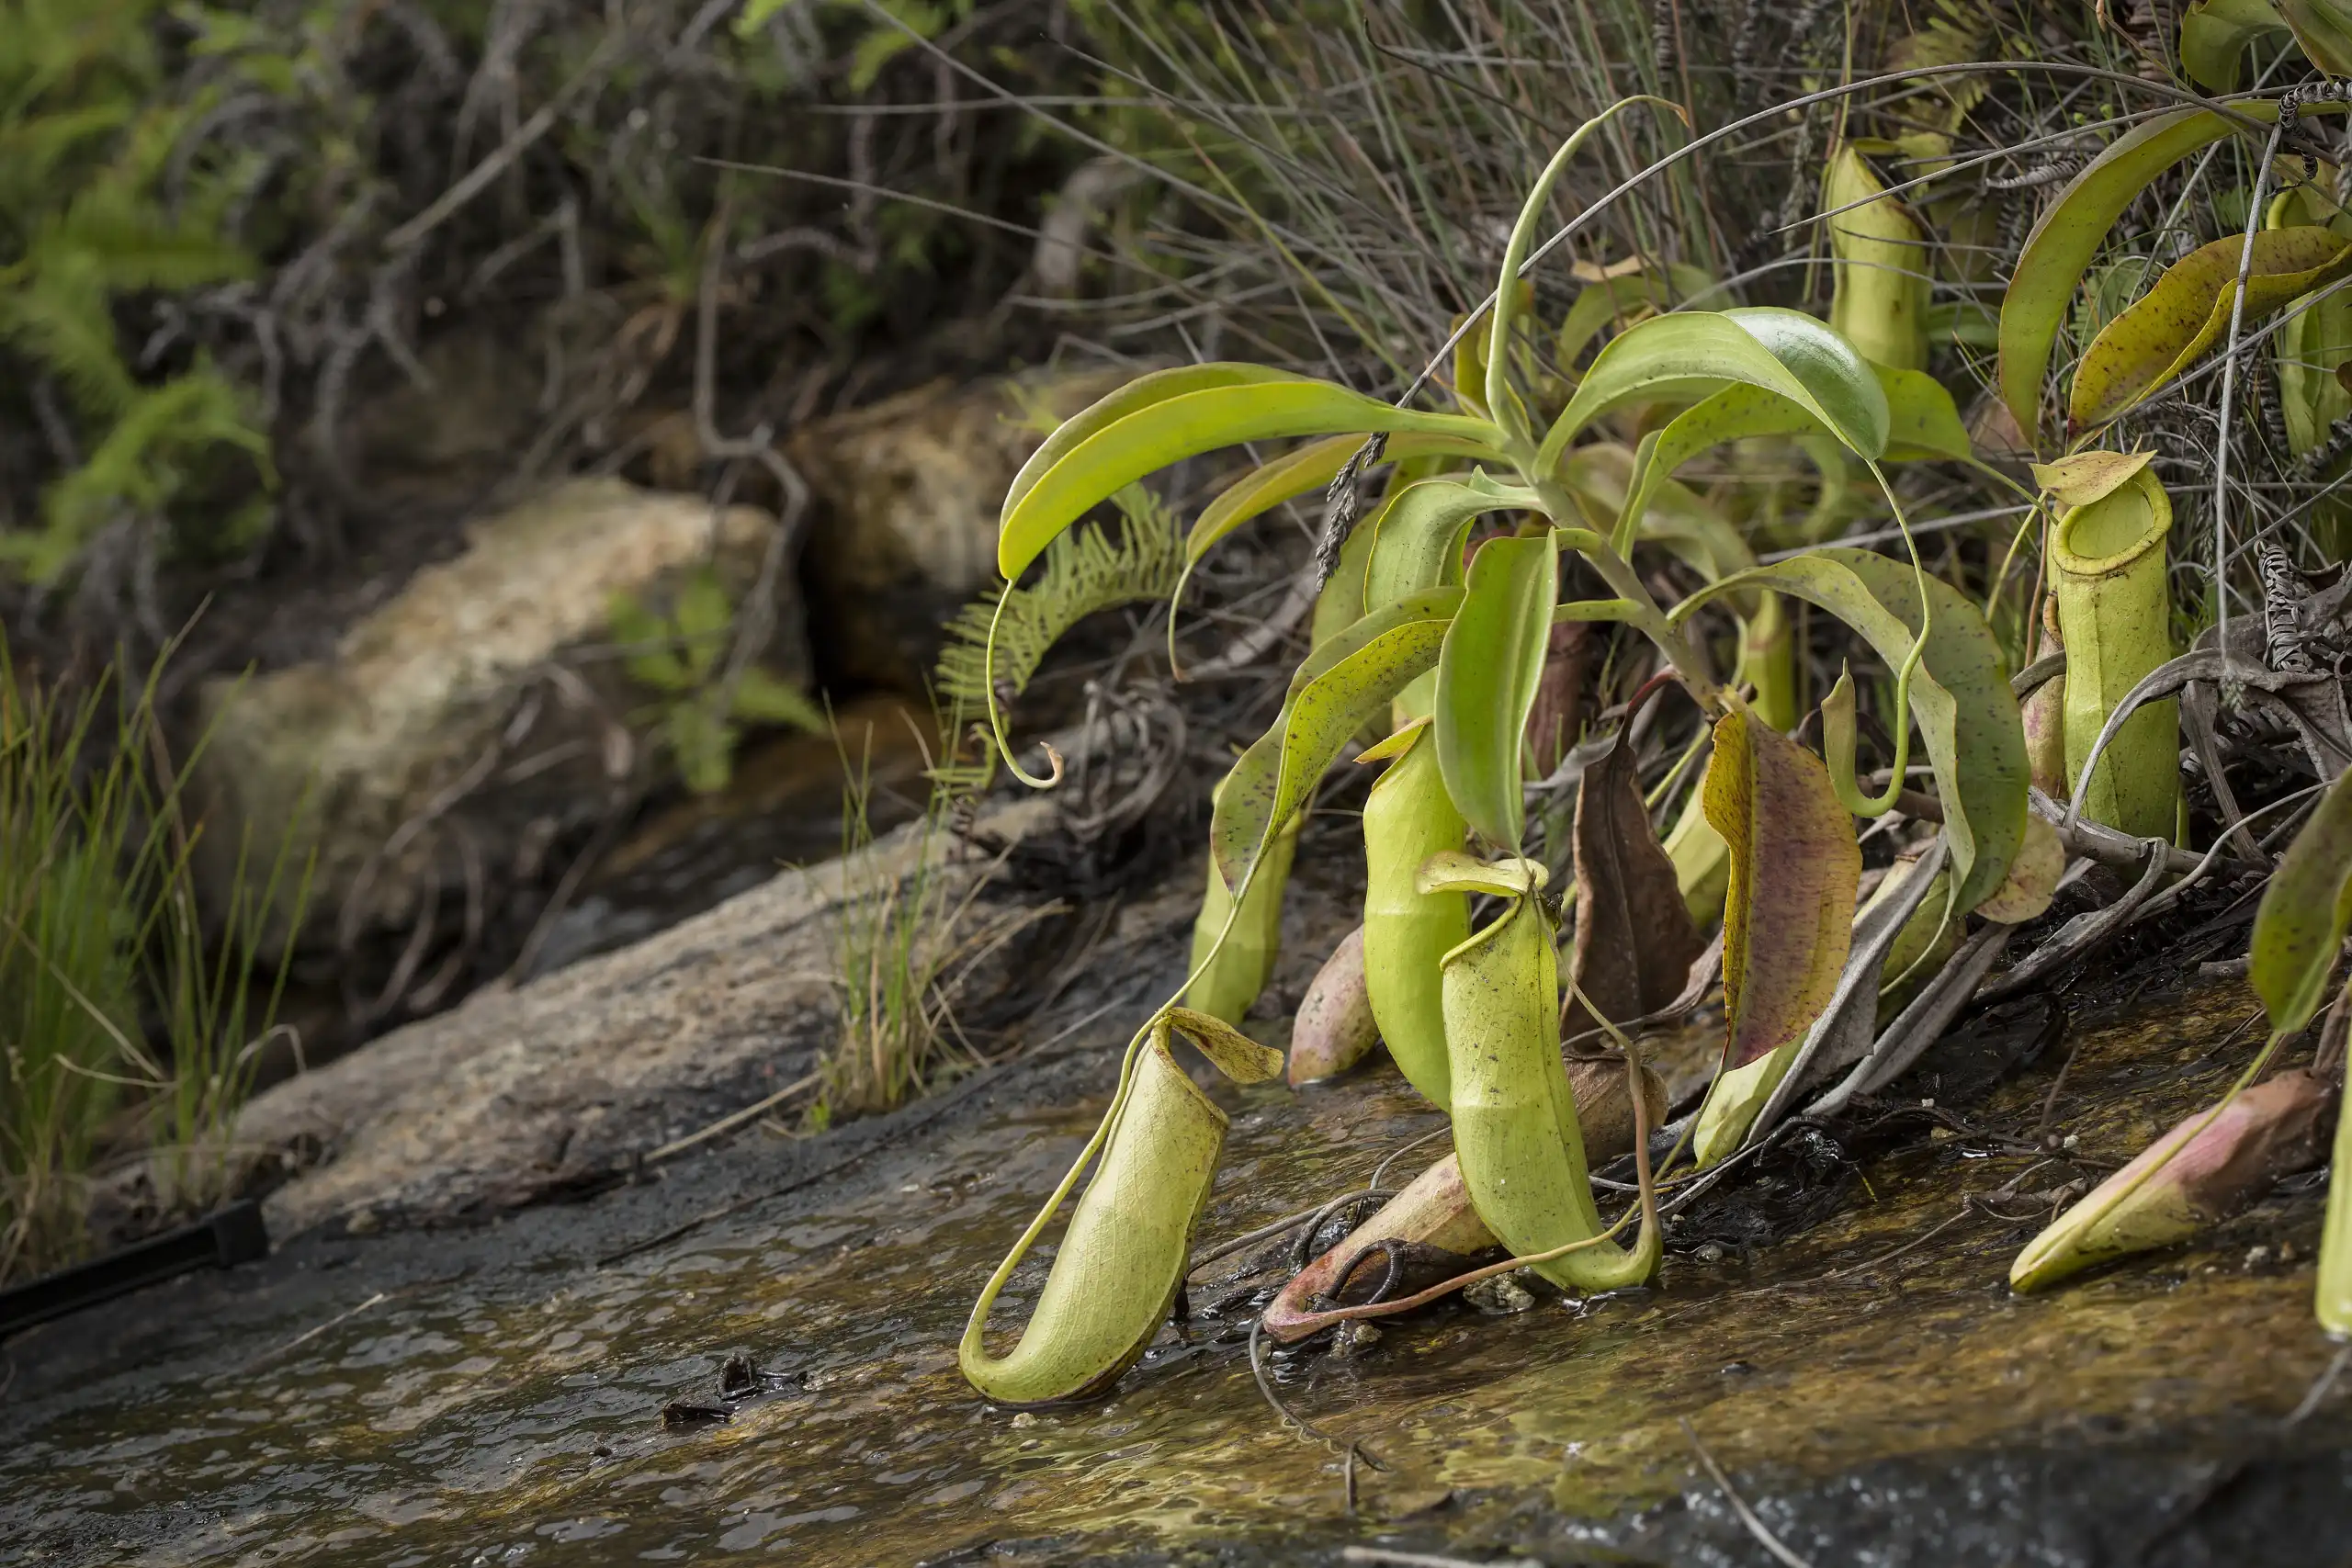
column 1354, row 1340
column 1500, row 1295
column 1709, row 1252
column 2255, row 1257
column 1027, row 1418
column 1736, row 1368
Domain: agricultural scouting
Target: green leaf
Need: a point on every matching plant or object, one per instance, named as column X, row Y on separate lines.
column 1170, row 429
column 1487, row 680
column 1692, row 354
column 1922, row 422
column 2077, row 224
column 1338, row 688
column 1601, row 475
column 2189, row 309
column 1418, row 537
column 1156, row 387
column 1794, row 869
column 1303, row 471
column 2305, row 910
column 1614, row 299
column 2215, row 35
column 1959, row 694
column 2322, row 30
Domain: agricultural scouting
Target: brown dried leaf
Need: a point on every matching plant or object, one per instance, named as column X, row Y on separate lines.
column 1634, row 941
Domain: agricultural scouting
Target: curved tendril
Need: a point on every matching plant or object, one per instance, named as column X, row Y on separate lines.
column 996, row 713
column 1850, row 793
column 1500, row 407
column 1175, row 600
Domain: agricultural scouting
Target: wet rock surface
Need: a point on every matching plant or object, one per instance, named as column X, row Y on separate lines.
column 556, row 1088
column 1874, row 1392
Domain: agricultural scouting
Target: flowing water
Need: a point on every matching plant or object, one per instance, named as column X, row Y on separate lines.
column 1867, row 1385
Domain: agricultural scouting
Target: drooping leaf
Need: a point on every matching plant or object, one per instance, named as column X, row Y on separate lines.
column 2215, row 35
column 2305, row 910
column 1487, row 677
column 1119, row 450
column 1959, row 694
column 2087, row 476
column 1304, row 471
column 1691, row 354
column 2187, row 311
column 1922, row 423
column 1418, row 537
column 2323, row 30
column 1336, row 689
column 1794, row 868
column 2077, row 224
column 1634, row 941
column 1154, row 386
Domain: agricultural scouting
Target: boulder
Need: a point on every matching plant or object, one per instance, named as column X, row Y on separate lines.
column 480, row 715
column 556, row 1088
column 907, row 493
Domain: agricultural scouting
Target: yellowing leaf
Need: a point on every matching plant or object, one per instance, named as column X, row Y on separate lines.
column 2189, row 309
column 1794, row 868
column 2077, row 224
column 1959, row 694
column 2088, row 477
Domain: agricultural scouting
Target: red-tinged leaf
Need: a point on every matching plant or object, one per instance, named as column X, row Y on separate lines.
column 1794, row 868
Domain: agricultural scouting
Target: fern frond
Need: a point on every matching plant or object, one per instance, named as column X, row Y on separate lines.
column 134, row 246
column 1085, row 571
column 60, row 318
